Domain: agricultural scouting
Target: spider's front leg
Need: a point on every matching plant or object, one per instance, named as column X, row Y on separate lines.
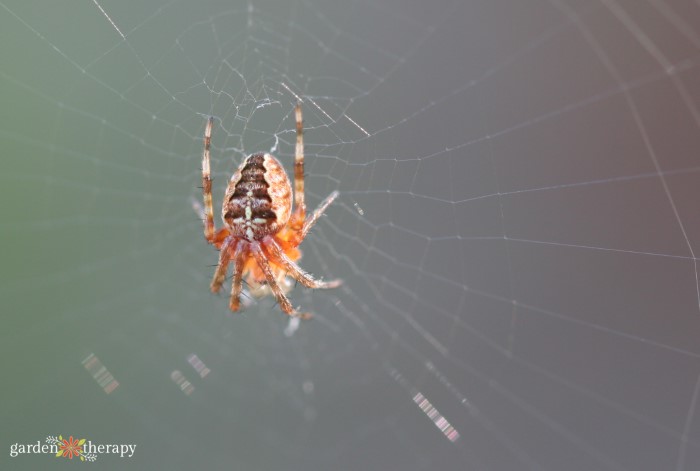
column 299, row 203
column 209, row 228
column 299, row 222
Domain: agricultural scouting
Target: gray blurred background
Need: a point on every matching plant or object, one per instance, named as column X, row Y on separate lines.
column 517, row 231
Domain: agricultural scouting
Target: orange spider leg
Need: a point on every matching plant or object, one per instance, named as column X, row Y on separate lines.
column 206, row 184
column 222, row 266
column 277, row 255
column 296, row 235
column 254, row 274
column 237, row 284
column 300, row 212
column 220, row 237
column 313, row 219
column 264, row 265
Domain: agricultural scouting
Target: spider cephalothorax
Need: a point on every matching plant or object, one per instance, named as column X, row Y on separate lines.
column 262, row 233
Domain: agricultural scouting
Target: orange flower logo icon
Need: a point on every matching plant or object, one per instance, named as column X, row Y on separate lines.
column 71, row 447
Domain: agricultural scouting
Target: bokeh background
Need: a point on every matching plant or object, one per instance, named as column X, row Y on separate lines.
column 517, row 231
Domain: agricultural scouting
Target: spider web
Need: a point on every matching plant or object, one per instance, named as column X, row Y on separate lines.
column 516, row 231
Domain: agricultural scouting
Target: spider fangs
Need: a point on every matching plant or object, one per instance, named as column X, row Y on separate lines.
column 261, row 232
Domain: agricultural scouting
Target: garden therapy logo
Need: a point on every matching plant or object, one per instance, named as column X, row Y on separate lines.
column 80, row 448
column 70, row 448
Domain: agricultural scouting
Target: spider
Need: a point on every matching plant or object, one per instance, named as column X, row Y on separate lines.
column 261, row 233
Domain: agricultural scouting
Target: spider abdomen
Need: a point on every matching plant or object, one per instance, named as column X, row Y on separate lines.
column 258, row 200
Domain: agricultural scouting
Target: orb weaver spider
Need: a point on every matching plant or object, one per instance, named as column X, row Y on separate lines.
column 261, row 234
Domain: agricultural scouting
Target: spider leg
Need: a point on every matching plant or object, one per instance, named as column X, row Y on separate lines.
column 294, row 270
column 300, row 212
column 237, row 285
column 264, row 265
column 206, row 184
column 309, row 223
column 222, row 266
column 220, row 237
